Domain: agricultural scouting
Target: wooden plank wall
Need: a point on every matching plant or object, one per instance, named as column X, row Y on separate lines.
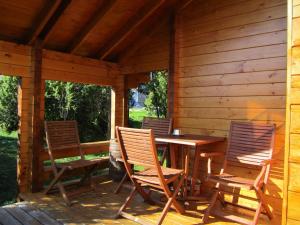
column 292, row 157
column 16, row 60
column 232, row 66
column 150, row 53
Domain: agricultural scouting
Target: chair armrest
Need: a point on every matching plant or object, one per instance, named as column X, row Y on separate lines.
column 261, row 176
column 211, row 154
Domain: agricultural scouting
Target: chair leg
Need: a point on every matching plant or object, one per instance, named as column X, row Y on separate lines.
column 211, row 205
column 262, row 199
column 63, row 193
column 55, row 180
column 257, row 213
column 172, row 201
column 176, row 205
column 118, row 189
column 127, row 202
column 165, row 210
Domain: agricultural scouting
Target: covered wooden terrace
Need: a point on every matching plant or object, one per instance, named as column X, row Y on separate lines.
column 233, row 60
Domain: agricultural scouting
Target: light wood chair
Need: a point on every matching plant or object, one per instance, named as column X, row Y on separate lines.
column 62, row 135
column 138, row 148
column 160, row 127
column 251, row 145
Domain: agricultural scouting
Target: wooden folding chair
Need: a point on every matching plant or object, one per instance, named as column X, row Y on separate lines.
column 160, row 127
column 249, row 144
column 62, row 135
column 138, row 148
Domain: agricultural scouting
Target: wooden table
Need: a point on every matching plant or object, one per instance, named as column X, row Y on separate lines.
column 187, row 142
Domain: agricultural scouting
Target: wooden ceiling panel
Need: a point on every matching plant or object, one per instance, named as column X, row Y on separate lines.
column 17, row 17
column 74, row 18
column 121, row 12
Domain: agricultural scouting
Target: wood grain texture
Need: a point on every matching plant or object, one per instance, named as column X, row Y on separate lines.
column 291, row 182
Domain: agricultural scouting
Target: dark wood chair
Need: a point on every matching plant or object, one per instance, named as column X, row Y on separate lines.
column 62, row 135
column 160, row 127
column 249, row 144
column 138, row 148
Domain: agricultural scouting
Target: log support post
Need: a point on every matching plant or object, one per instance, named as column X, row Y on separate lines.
column 173, row 64
column 37, row 117
column 117, row 105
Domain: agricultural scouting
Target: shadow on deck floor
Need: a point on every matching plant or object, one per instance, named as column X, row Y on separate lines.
column 100, row 207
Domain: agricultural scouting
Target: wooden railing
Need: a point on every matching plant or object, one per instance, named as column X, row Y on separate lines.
column 88, row 148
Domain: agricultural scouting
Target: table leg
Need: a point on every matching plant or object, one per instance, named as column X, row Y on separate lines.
column 195, row 170
column 186, row 158
column 173, row 155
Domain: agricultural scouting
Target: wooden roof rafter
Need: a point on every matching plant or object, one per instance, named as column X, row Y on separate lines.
column 145, row 13
column 149, row 32
column 42, row 19
column 82, row 35
column 48, row 27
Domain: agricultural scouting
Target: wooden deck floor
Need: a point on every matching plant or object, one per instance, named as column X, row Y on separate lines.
column 98, row 207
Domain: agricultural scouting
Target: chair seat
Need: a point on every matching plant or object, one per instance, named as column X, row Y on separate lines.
column 231, row 180
column 81, row 163
column 150, row 175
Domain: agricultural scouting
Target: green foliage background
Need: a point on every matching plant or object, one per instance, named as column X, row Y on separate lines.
column 156, row 92
column 88, row 104
column 8, row 103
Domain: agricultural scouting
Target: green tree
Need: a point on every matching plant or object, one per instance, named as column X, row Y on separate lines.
column 88, row 104
column 156, row 91
column 8, row 103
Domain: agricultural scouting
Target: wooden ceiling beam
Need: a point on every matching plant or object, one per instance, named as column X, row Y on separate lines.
column 83, row 34
column 144, row 14
column 42, row 19
column 52, row 22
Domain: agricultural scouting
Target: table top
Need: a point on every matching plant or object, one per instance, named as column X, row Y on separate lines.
column 189, row 139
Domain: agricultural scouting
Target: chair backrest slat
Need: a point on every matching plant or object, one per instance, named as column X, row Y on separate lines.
column 160, row 126
column 62, row 135
column 250, row 143
column 136, row 146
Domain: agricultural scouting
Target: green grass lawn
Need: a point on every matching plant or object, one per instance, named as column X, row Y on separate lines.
column 8, row 164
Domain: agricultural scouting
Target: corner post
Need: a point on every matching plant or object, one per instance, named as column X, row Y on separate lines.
column 173, row 64
column 36, row 71
column 117, row 105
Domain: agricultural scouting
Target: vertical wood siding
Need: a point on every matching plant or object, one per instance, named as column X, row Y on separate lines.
column 292, row 156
